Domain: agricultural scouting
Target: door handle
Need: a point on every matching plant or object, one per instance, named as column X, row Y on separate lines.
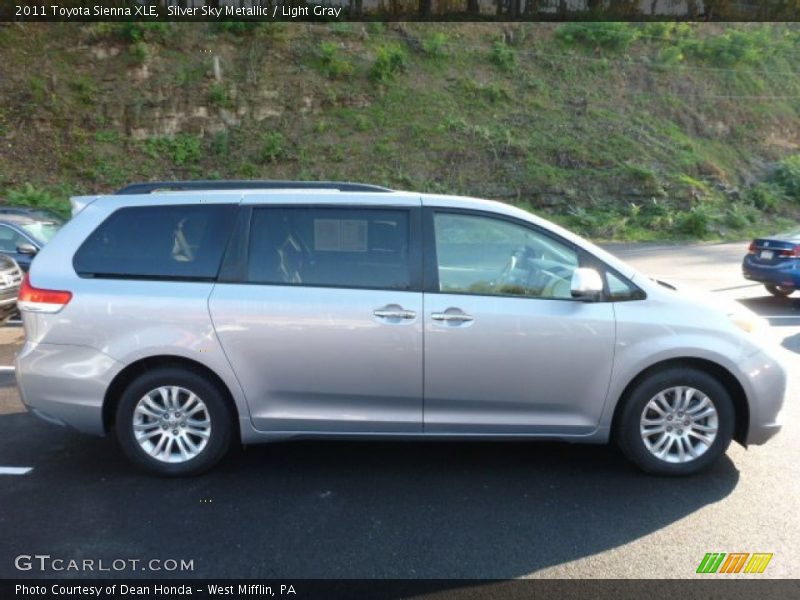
column 452, row 317
column 394, row 313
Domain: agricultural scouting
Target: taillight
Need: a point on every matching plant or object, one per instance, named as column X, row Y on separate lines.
column 790, row 253
column 751, row 249
column 38, row 300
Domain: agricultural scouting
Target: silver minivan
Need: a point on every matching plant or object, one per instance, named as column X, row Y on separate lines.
column 184, row 317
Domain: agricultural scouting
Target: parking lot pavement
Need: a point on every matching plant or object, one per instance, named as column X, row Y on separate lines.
column 413, row 509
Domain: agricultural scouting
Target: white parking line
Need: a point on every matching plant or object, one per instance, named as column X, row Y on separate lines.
column 6, row 368
column 15, row 470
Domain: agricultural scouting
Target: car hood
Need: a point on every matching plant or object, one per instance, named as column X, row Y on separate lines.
column 699, row 298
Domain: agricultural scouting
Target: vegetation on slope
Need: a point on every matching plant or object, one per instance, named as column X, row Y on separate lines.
column 621, row 131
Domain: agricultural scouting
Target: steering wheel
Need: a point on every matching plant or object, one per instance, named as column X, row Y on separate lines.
column 505, row 274
column 557, row 277
column 522, row 260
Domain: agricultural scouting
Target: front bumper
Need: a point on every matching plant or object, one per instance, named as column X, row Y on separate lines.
column 66, row 384
column 766, row 384
column 786, row 273
column 8, row 303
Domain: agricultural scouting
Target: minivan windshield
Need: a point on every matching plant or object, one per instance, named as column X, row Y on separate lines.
column 41, row 231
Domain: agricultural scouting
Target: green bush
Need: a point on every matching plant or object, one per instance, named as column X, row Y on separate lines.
column 435, row 45
column 138, row 31
column 503, row 56
column 30, row 195
column 787, row 175
column 273, row 146
column 731, row 48
column 236, row 27
column 218, row 94
column 332, row 63
column 84, row 88
column 341, row 28
column 669, row 56
column 389, row 61
column 609, row 35
column 663, row 31
column 766, row 196
column 182, row 149
column 645, row 178
column 740, row 216
column 695, row 222
column 656, row 212
column 493, row 92
column 38, row 89
column 138, row 53
column 220, row 143
column 107, row 137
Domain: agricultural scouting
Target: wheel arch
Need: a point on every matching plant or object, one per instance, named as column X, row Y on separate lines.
column 141, row 366
column 724, row 376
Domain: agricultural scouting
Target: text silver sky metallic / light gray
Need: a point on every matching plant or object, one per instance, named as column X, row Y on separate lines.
column 189, row 316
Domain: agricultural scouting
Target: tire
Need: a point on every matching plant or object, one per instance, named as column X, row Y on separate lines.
column 779, row 291
column 638, row 415
column 193, row 441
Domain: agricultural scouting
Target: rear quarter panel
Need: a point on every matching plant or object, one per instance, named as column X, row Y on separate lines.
column 127, row 319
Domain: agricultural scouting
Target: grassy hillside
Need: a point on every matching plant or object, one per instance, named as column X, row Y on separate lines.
column 623, row 131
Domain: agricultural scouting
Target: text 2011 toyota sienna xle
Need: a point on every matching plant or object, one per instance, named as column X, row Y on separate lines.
column 265, row 311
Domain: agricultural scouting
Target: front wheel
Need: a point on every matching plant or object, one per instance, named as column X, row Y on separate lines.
column 779, row 291
column 173, row 421
column 676, row 422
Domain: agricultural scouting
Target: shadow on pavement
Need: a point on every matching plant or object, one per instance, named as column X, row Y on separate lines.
column 339, row 509
column 770, row 306
column 781, row 312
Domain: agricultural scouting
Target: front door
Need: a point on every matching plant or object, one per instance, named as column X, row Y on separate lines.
column 507, row 349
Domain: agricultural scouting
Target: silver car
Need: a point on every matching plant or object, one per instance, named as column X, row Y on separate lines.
column 186, row 317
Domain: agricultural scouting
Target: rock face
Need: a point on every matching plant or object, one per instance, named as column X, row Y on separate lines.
column 211, row 103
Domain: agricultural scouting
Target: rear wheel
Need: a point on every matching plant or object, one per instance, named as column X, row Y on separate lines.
column 173, row 421
column 676, row 422
column 779, row 290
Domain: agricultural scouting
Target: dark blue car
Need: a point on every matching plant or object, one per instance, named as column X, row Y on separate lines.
column 775, row 262
column 22, row 236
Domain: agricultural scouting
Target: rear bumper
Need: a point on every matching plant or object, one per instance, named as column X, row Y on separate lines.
column 66, row 384
column 786, row 273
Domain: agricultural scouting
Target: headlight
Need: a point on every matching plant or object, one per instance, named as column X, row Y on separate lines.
column 749, row 323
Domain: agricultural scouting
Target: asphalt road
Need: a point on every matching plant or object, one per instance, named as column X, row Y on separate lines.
column 443, row 510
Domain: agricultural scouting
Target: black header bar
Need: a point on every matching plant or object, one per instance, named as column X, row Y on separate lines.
column 426, row 10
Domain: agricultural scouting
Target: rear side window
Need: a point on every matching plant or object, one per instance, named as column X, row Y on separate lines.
column 170, row 242
column 357, row 248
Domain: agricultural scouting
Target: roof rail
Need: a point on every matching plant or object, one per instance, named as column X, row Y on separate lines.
column 227, row 184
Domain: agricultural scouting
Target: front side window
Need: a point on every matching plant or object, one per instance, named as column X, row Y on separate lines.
column 358, row 248
column 484, row 255
column 10, row 239
column 182, row 242
column 42, row 231
column 619, row 289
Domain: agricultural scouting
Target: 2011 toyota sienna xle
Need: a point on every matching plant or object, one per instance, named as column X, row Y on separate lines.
column 184, row 317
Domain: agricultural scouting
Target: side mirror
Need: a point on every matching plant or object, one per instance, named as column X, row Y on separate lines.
column 586, row 284
column 29, row 249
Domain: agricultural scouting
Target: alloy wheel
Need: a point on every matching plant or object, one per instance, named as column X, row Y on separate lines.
column 171, row 424
column 679, row 424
